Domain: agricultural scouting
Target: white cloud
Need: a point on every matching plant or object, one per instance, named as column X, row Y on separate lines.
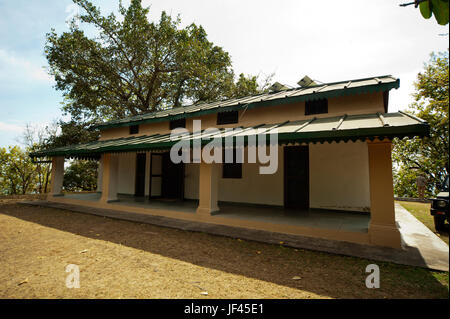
column 72, row 11
column 11, row 128
column 13, row 66
column 400, row 99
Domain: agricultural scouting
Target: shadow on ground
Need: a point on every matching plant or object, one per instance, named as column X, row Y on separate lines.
column 321, row 273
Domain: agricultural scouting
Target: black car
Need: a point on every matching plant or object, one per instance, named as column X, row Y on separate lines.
column 439, row 207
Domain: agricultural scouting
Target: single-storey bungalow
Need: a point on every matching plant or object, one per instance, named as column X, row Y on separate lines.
column 329, row 173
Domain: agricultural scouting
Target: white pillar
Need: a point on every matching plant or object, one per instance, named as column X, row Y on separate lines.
column 383, row 230
column 208, row 188
column 109, row 177
column 57, row 175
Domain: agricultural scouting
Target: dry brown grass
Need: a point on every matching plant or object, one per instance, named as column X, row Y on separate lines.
column 121, row 259
column 4, row 199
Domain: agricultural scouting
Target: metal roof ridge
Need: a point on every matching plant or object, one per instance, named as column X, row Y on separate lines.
column 341, row 120
column 412, row 116
column 321, row 88
column 297, row 90
column 354, row 80
column 273, row 127
column 382, row 119
column 305, row 124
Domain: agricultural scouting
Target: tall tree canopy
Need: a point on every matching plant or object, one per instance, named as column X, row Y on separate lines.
column 428, row 156
column 132, row 65
column 72, row 132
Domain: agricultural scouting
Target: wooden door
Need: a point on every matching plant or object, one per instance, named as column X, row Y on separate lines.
column 172, row 178
column 296, row 177
column 140, row 174
column 155, row 175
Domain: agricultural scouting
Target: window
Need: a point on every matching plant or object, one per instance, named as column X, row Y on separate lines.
column 227, row 117
column 177, row 123
column 231, row 170
column 134, row 129
column 316, row 107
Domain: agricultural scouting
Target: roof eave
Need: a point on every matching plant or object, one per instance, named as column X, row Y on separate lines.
column 363, row 134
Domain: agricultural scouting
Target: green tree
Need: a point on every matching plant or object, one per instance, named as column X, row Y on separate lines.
column 81, row 175
column 134, row 66
column 248, row 85
column 34, row 139
column 428, row 156
column 71, row 132
column 17, row 172
column 428, row 8
column 438, row 8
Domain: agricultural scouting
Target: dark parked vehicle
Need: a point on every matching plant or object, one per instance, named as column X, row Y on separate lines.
column 439, row 207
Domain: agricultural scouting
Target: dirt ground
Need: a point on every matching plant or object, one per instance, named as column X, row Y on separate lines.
column 121, row 259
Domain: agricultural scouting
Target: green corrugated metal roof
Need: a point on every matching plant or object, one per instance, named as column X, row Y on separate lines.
column 341, row 128
column 326, row 90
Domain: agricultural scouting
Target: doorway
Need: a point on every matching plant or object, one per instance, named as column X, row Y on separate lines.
column 139, row 189
column 296, row 177
column 172, row 186
column 166, row 177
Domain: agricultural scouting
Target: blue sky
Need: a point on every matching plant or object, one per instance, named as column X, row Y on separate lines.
column 327, row 40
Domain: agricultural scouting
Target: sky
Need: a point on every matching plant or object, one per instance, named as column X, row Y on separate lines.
column 326, row 40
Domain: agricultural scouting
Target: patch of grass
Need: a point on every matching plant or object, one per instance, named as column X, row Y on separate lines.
column 418, row 277
column 442, row 277
column 422, row 212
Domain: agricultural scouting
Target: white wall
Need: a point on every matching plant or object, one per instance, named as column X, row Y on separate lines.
column 339, row 179
column 339, row 176
column 191, row 180
column 127, row 173
column 252, row 188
